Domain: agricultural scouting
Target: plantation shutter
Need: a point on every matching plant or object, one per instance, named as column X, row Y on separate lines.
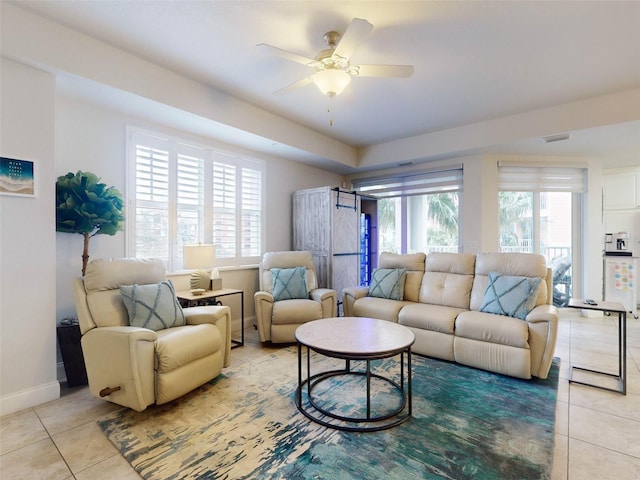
column 541, row 179
column 184, row 194
column 189, row 197
column 251, row 212
column 224, row 208
column 152, row 197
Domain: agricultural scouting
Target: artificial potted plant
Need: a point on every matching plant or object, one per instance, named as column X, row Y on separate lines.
column 88, row 207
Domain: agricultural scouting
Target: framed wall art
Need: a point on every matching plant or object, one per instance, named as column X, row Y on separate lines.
column 17, row 177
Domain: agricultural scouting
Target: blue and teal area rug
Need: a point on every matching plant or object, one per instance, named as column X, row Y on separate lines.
column 466, row 424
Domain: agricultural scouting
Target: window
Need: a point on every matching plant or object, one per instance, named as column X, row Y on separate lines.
column 417, row 212
column 538, row 206
column 180, row 194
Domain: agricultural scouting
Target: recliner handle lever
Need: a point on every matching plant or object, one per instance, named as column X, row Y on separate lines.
column 108, row 391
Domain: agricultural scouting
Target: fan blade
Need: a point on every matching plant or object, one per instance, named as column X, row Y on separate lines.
column 294, row 57
column 292, row 86
column 399, row 71
column 352, row 38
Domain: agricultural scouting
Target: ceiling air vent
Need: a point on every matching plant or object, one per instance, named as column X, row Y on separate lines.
column 557, row 138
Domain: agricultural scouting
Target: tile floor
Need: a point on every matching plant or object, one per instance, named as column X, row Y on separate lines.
column 597, row 432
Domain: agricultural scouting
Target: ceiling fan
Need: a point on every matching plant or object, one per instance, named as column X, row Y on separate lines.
column 332, row 65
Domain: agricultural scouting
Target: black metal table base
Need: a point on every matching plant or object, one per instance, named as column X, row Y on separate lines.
column 619, row 380
column 621, row 376
column 312, row 409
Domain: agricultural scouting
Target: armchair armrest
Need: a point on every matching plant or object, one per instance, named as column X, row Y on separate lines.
column 543, row 313
column 320, row 294
column 220, row 316
column 543, row 331
column 121, row 357
column 263, row 302
column 328, row 299
column 349, row 296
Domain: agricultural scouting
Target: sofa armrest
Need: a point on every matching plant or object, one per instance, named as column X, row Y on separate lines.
column 121, row 357
column 220, row 316
column 320, row 294
column 349, row 296
column 543, row 313
column 263, row 302
column 328, row 299
column 543, row 331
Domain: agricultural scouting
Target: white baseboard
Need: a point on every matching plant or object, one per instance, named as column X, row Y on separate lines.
column 29, row 397
column 61, row 375
column 249, row 322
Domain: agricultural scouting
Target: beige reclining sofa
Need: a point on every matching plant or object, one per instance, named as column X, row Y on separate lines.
column 446, row 302
column 175, row 351
column 276, row 318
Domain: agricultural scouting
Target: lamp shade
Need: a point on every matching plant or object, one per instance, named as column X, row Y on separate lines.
column 199, row 256
column 331, row 81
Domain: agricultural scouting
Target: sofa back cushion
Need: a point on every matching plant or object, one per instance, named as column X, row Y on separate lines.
column 413, row 263
column 448, row 279
column 287, row 259
column 529, row 265
column 102, row 282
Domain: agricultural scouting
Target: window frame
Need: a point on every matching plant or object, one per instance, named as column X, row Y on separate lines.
column 573, row 179
column 176, row 147
column 417, row 183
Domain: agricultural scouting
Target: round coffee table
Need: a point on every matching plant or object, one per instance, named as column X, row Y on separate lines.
column 354, row 339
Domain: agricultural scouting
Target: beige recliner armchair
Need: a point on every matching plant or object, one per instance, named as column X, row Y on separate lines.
column 136, row 366
column 286, row 300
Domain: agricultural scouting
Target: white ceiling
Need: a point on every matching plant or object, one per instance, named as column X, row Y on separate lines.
column 474, row 61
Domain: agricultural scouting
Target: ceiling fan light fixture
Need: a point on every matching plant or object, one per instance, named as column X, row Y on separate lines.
column 331, row 82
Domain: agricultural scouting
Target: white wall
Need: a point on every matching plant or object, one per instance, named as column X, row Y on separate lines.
column 92, row 138
column 66, row 134
column 27, row 243
column 479, row 220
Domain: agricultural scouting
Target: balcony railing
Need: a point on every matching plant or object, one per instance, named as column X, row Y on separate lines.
column 550, row 253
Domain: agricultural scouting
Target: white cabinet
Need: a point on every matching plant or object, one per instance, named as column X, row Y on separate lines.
column 622, row 191
column 622, row 208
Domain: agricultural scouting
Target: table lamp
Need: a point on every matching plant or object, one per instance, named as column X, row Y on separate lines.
column 201, row 257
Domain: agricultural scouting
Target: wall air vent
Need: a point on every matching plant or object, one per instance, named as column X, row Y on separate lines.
column 557, row 138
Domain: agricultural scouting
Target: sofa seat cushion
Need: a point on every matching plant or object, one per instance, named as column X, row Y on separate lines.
column 436, row 318
column 179, row 346
column 381, row 308
column 488, row 327
column 294, row 311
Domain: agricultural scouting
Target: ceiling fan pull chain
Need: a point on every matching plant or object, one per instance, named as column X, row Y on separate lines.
column 329, row 99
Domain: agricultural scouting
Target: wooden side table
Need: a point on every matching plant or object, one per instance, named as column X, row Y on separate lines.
column 69, row 337
column 210, row 297
column 621, row 376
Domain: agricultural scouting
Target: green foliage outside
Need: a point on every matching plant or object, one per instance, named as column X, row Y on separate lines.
column 87, row 207
column 513, row 209
column 442, row 211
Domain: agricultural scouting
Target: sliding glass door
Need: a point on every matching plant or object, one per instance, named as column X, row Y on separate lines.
column 541, row 222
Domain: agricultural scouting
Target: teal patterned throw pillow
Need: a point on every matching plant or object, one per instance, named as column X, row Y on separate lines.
column 154, row 306
column 289, row 283
column 510, row 295
column 387, row 283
